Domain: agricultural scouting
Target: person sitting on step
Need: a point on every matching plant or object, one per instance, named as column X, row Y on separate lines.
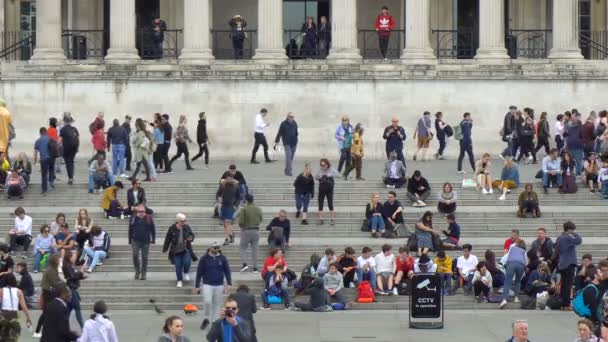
column 15, row 185
column 373, row 215
column 528, row 202
column 100, row 174
column 446, row 200
column 385, row 266
column 394, row 172
column 418, row 189
column 110, row 204
column 347, row 265
column 569, row 168
column 482, row 282
column 509, row 178
column 392, row 211
column 483, row 174
column 136, row 196
column 333, row 283
column 98, row 248
column 21, row 234
column 319, row 300
column 277, row 286
column 404, row 269
column 330, row 256
column 551, row 170
column 466, row 265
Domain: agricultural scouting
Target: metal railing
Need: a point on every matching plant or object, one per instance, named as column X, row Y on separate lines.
column 17, row 45
column 594, row 44
column 84, row 44
column 300, row 46
column 374, row 46
column 454, row 44
column 533, row 44
column 152, row 44
column 225, row 47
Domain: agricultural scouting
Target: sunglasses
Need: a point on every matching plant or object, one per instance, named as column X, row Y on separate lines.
column 230, row 307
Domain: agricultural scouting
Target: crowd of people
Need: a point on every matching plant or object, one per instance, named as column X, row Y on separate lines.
column 547, row 272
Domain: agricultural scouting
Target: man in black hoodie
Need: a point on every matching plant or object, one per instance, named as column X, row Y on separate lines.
column 418, row 189
column 288, row 132
column 202, row 139
column 168, row 132
column 319, row 300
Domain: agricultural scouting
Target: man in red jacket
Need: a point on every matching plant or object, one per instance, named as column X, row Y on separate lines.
column 384, row 24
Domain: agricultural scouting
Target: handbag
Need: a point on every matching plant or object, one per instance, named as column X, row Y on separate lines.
column 468, row 183
column 365, row 225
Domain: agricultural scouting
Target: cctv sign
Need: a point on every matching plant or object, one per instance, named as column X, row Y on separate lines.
column 426, row 301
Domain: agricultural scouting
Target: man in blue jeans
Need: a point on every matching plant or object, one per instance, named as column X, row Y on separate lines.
column 42, row 153
column 552, row 171
column 99, row 174
column 288, row 132
column 118, row 139
column 366, row 267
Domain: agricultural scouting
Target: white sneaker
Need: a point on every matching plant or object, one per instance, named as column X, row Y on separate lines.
column 502, row 198
column 502, row 304
column 421, row 204
column 516, row 300
column 415, row 205
column 491, row 191
column 122, row 175
column 484, row 191
column 395, row 291
column 462, row 172
column 37, row 335
column 187, row 277
column 179, row 284
column 245, row 268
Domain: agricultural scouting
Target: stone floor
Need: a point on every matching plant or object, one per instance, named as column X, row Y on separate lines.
column 376, row 326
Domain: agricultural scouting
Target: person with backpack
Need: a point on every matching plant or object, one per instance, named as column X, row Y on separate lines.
column 70, row 139
column 466, row 141
column 444, row 131
column 142, row 233
column 590, row 302
column 44, row 153
column 308, row 275
column 565, row 247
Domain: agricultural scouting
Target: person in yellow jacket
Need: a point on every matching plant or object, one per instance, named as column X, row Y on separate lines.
column 6, row 127
column 356, row 153
column 109, row 203
column 444, row 268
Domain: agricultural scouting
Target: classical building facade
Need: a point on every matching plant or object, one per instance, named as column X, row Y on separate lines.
column 444, row 55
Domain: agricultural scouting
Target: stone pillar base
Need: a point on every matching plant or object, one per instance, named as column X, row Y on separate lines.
column 196, row 56
column 418, row 56
column 492, row 56
column 565, row 55
column 270, row 56
column 344, row 56
column 122, row 56
column 48, row 56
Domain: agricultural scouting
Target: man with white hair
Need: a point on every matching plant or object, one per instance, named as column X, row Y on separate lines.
column 179, row 244
column 520, row 332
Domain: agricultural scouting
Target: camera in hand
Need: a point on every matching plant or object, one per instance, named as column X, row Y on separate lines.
column 229, row 313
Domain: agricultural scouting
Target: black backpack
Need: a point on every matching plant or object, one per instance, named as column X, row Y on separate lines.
column 55, row 148
column 448, row 130
column 70, row 136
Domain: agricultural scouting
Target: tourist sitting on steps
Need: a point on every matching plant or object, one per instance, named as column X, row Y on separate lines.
column 528, row 203
column 424, row 233
column 591, row 169
column 328, row 258
column 452, row 233
column 136, row 196
column 277, row 286
column 568, row 167
column 483, row 175
column 347, row 265
column 26, row 285
column 23, row 167
column 15, row 186
column 280, row 230
column 21, row 234
column 110, row 204
column 418, row 189
column 98, row 248
column 333, row 283
column 602, row 180
column 466, row 265
column 482, row 283
column 319, row 300
column 444, row 268
column 392, row 211
column 509, row 178
column 100, row 174
column 394, row 172
column 424, row 264
column 385, row 265
column 539, row 280
column 446, row 200
column 309, row 275
column 373, row 215
column 366, row 267
column 551, row 170
column 45, row 245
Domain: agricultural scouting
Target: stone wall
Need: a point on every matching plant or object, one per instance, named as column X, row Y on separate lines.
column 318, row 99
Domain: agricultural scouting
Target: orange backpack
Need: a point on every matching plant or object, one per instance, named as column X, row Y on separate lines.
column 190, row 309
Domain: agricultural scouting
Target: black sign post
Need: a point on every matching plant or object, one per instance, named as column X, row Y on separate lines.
column 426, row 301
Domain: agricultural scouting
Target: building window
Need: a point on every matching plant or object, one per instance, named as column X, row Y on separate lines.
column 28, row 15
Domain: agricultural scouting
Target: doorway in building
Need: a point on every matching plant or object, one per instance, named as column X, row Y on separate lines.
column 294, row 17
column 467, row 24
column 145, row 13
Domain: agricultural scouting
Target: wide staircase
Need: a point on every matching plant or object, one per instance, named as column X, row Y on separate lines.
column 485, row 223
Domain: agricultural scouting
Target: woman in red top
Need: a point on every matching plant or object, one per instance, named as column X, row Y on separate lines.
column 274, row 259
column 53, row 133
column 404, row 266
column 99, row 144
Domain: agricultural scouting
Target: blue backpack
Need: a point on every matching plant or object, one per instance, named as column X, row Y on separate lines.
column 581, row 308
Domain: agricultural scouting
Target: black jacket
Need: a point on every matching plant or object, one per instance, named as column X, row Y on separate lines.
column 288, row 132
column 141, row 197
column 117, row 135
column 56, row 327
column 142, row 229
column 413, row 185
column 173, row 235
column 168, row 132
column 201, row 131
column 238, row 176
column 26, row 284
column 242, row 332
column 247, row 306
column 304, row 185
column 72, row 276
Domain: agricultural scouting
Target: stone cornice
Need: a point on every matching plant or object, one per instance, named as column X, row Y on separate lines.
column 314, row 70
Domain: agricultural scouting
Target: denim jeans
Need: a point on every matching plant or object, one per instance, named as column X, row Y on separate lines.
column 74, row 304
column 244, row 190
column 578, row 155
column 605, row 189
column 557, row 179
column 47, row 172
column 92, row 180
column 118, row 158
column 96, row 257
column 469, row 281
column 369, row 275
column 446, row 281
column 290, row 152
column 37, row 257
column 513, row 269
column 282, row 292
column 442, row 145
column 144, row 247
column 182, row 263
column 377, row 224
column 468, row 149
column 302, row 201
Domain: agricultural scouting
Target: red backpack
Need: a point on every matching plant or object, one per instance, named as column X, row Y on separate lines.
column 365, row 293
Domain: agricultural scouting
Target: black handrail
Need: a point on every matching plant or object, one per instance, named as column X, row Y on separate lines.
column 594, row 44
column 371, row 44
column 225, row 47
column 454, row 44
column 82, row 44
column 300, row 46
column 20, row 45
column 530, row 43
column 154, row 45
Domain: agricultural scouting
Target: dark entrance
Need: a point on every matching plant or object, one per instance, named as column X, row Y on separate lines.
column 145, row 12
column 294, row 16
column 468, row 27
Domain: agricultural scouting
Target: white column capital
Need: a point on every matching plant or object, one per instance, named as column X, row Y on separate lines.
column 48, row 34
column 270, row 33
column 197, row 26
column 417, row 44
column 122, row 33
column 565, row 32
column 492, row 33
column 344, row 48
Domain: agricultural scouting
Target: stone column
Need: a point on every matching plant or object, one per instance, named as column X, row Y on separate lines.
column 122, row 33
column 196, row 33
column 270, row 32
column 344, row 32
column 565, row 31
column 2, row 26
column 48, row 33
column 492, row 33
column 417, row 44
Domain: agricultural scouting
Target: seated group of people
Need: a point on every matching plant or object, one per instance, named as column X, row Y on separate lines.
column 136, row 196
column 57, row 238
column 561, row 172
column 15, row 179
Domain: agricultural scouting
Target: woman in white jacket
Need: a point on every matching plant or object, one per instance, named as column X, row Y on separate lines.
column 98, row 328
